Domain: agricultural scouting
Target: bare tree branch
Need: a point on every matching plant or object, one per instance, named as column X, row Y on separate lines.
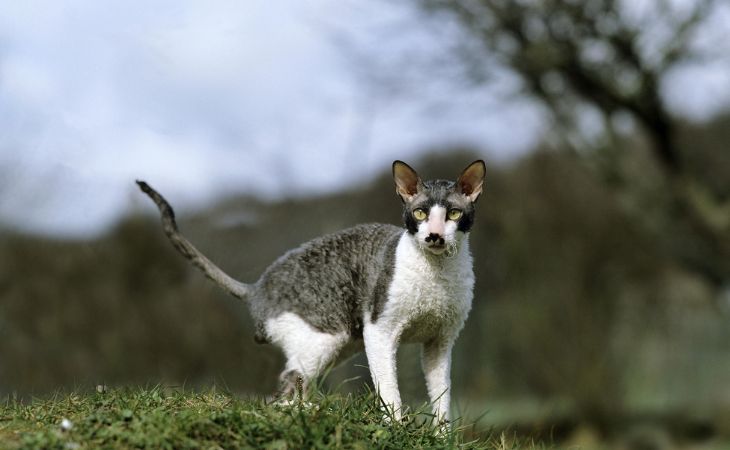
column 596, row 56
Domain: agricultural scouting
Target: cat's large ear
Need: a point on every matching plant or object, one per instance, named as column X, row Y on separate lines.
column 471, row 179
column 407, row 182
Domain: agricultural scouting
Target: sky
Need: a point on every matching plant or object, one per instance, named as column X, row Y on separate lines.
column 275, row 99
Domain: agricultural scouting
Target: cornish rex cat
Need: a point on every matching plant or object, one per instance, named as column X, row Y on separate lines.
column 370, row 286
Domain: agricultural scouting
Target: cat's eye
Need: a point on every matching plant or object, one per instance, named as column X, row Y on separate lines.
column 455, row 214
column 419, row 214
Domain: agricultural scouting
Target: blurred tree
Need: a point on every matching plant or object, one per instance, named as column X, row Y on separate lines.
column 607, row 59
column 576, row 255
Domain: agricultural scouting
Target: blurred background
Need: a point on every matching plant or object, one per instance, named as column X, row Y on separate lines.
column 602, row 243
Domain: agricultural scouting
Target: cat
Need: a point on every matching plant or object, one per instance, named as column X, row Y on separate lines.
column 368, row 287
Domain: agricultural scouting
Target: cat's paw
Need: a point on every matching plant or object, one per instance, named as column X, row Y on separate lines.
column 443, row 428
column 393, row 415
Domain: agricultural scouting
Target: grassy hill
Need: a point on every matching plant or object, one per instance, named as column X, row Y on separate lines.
column 179, row 419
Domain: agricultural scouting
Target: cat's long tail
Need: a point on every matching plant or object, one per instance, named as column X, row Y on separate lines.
column 215, row 273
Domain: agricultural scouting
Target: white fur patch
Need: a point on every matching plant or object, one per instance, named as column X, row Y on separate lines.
column 436, row 220
column 307, row 350
column 429, row 295
column 428, row 301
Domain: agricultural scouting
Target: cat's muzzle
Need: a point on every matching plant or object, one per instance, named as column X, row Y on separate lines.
column 435, row 243
column 435, row 240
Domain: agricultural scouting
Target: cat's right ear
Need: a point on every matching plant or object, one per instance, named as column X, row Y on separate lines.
column 407, row 182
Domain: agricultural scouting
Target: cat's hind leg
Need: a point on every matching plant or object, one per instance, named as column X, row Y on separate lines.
column 291, row 385
column 308, row 351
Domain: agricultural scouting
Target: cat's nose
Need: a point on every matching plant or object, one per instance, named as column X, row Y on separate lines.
column 435, row 238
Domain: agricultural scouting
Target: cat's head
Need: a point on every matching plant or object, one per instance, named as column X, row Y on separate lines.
column 438, row 212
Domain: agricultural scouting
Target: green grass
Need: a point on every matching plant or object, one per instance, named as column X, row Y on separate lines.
column 161, row 418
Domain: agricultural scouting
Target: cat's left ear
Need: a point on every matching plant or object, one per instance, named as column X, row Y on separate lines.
column 471, row 179
column 407, row 181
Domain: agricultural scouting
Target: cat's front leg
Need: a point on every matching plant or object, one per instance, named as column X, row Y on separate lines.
column 436, row 362
column 381, row 344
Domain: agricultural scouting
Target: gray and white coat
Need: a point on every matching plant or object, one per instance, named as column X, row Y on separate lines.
column 368, row 287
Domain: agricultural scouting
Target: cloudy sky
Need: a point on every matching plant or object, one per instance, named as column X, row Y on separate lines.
column 203, row 99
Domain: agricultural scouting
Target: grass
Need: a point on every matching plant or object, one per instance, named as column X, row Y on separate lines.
column 163, row 418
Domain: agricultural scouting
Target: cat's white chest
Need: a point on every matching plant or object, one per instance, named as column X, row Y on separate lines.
column 429, row 295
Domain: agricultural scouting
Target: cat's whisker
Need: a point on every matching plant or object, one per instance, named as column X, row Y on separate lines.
column 451, row 249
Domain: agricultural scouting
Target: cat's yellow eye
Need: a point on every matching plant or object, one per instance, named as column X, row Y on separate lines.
column 419, row 214
column 455, row 214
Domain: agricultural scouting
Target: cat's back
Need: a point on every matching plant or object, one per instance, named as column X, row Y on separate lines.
column 356, row 245
column 328, row 280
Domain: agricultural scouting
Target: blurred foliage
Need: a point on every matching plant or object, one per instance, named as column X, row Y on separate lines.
column 601, row 54
column 116, row 310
